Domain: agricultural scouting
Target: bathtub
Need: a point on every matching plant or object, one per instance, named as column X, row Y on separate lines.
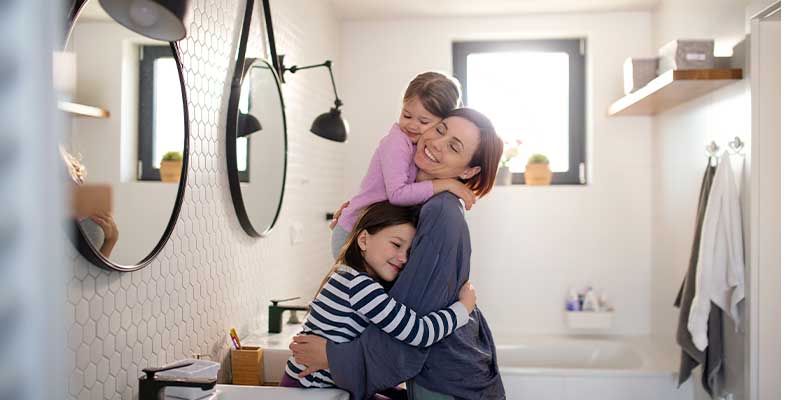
column 596, row 368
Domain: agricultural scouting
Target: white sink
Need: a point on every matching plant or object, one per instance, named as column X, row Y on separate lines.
column 276, row 350
column 238, row 392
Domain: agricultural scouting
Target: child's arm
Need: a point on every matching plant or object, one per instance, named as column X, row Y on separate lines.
column 457, row 188
column 370, row 300
column 396, row 155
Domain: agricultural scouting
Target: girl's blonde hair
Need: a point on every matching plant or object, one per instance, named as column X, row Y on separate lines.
column 373, row 219
column 437, row 92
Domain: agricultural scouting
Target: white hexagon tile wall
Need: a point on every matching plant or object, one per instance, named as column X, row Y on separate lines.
column 211, row 276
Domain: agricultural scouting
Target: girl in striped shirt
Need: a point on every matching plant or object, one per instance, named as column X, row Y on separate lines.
column 354, row 293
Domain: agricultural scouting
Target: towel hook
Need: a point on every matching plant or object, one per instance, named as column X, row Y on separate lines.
column 712, row 149
column 736, row 145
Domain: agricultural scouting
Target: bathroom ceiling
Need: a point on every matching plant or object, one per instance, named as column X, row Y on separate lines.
column 365, row 9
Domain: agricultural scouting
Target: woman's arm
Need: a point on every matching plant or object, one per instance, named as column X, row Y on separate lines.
column 395, row 155
column 370, row 300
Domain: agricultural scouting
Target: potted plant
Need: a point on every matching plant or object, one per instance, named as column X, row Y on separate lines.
column 171, row 164
column 504, row 172
column 538, row 172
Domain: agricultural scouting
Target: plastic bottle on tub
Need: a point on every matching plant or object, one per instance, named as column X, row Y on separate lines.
column 573, row 303
column 602, row 301
column 590, row 302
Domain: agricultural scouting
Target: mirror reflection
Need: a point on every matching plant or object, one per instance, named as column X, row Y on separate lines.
column 124, row 160
column 260, row 144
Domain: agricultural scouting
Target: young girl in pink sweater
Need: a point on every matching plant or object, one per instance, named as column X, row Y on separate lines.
column 392, row 173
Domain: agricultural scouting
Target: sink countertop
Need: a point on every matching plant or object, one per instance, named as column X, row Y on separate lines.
column 276, row 341
column 238, row 392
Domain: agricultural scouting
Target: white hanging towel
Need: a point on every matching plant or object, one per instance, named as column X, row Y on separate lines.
column 720, row 263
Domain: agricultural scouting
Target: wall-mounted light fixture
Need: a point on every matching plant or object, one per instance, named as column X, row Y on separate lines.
column 247, row 125
column 156, row 19
column 329, row 125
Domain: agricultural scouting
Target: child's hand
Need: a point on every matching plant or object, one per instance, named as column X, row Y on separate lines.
column 467, row 297
column 459, row 189
column 338, row 214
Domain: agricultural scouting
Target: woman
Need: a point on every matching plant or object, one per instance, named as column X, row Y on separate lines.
column 464, row 146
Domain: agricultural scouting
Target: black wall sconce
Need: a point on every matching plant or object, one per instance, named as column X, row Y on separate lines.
column 329, row 125
column 156, row 19
column 247, row 125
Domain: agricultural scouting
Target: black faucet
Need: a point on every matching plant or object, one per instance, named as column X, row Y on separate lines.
column 152, row 387
column 276, row 315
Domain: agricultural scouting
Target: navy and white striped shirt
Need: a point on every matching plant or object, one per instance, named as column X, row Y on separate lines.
column 351, row 300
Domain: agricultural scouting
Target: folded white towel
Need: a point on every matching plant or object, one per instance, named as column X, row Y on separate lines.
column 720, row 263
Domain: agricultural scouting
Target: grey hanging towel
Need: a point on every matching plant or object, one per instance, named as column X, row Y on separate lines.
column 691, row 357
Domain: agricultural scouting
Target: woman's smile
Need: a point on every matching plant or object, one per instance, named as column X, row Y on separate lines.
column 429, row 154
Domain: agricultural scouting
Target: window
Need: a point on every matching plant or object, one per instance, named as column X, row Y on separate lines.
column 534, row 92
column 243, row 143
column 161, row 126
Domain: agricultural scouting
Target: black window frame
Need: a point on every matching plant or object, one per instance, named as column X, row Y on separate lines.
column 148, row 54
column 576, row 49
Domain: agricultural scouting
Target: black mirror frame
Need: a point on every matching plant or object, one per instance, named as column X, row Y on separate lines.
column 241, row 69
column 79, row 239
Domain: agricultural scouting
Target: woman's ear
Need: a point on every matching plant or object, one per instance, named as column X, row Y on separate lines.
column 362, row 240
column 470, row 172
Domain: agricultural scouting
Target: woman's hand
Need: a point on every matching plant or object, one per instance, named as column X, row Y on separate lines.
column 467, row 297
column 309, row 350
column 338, row 214
column 457, row 188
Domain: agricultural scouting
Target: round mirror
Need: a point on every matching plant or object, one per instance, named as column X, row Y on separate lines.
column 125, row 151
column 256, row 146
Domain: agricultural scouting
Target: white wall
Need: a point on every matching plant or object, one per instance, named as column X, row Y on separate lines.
column 529, row 244
column 211, row 276
column 680, row 137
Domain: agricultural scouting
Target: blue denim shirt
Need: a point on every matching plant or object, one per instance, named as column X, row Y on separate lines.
column 464, row 364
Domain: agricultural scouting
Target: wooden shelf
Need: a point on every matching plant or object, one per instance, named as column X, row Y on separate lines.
column 672, row 88
column 82, row 110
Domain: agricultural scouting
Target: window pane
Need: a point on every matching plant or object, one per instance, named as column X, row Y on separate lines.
column 526, row 95
column 244, row 108
column 241, row 154
column 168, row 110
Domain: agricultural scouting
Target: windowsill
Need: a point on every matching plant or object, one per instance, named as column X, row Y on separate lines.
column 560, row 186
column 151, row 181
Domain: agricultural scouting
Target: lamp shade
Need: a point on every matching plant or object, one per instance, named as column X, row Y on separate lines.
column 331, row 126
column 247, row 125
column 156, row 19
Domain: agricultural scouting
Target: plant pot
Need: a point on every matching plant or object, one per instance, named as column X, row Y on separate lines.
column 170, row 171
column 538, row 174
column 503, row 177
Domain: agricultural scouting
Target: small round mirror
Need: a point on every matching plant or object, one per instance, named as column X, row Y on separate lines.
column 126, row 147
column 256, row 146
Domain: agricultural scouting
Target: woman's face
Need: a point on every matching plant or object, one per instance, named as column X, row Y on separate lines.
column 445, row 150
